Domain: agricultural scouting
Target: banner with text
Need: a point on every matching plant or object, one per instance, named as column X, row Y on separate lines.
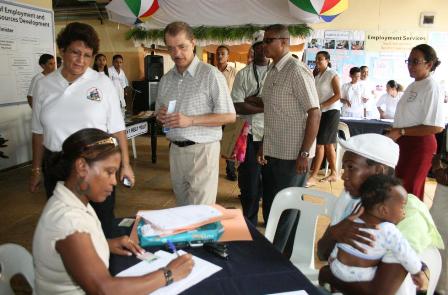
column 394, row 40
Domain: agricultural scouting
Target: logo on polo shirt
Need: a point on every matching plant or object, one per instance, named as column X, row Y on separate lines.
column 94, row 94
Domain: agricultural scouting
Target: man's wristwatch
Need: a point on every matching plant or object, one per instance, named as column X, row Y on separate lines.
column 167, row 273
column 304, row 154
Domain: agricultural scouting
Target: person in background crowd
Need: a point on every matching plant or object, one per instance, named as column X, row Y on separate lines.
column 439, row 208
column 203, row 105
column 291, row 122
column 250, row 55
column 352, row 95
column 328, row 89
column 70, row 251
column 72, row 98
column 46, row 62
column 373, row 154
column 100, row 64
column 369, row 100
column 388, row 102
column 419, row 115
column 248, row 84
column 117, row 75
column 229, row 72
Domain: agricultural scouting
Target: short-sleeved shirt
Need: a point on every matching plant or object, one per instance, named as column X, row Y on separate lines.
column 246, row 85
column 36, row 78
column 63, row 215
column 324, row 88
column 200, row 90
column 229, row 73
column 60, row 108
column 421, row 104
column 119, row 76
column 288, row 93
column 388, row 104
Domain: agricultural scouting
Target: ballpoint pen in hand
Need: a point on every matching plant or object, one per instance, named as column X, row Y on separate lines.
column 172, row 247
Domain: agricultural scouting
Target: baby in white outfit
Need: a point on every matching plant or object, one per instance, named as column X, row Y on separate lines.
column 384, row 200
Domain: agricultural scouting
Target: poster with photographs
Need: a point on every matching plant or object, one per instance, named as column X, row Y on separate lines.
column 357, row 45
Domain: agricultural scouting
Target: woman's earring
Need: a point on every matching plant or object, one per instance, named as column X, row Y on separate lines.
column 83, row 186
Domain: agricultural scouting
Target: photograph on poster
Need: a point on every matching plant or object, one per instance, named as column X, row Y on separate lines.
column 311, row 64
column 357, row 45
column 342, row 44
column 329, row 44
column 315, row 43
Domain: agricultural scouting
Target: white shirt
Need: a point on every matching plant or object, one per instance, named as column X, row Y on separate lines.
column 200, row 90
column 36, row 78
column 121, row 76
column 353, row 93
column 421, row 104
column 388, row 104
column 60, row 109
column 244, row 86
column 63, row 215
column 324, row 88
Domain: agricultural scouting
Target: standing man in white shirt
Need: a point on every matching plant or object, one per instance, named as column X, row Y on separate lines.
column 229, row 72
column 118, row 77
column 291, row 122
column 47, row 63
column 203, row 105
column 248, row 84
column 370, row 99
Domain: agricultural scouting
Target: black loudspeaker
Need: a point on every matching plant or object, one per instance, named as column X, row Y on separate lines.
column 145, row 95
column 153, row 67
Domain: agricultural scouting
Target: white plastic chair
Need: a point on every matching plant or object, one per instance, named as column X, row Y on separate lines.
column 431, row 256
column 342, row 127
column 14, row 259
column 303, row 250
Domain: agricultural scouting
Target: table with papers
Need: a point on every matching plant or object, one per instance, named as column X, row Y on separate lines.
column 362, row 126
column 254, row 267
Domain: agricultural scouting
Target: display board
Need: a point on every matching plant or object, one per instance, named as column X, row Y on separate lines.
column 26, row 32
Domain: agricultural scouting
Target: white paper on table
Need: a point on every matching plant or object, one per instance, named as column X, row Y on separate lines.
column 202, row 269
column 179, row 217
column 299, row 292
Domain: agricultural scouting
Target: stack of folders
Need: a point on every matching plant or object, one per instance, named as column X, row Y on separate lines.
column 193, row 224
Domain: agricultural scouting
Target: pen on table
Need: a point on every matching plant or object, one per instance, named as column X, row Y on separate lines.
column 172, row 247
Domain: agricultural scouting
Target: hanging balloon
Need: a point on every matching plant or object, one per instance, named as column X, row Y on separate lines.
column 313, row 11
column 131, row 12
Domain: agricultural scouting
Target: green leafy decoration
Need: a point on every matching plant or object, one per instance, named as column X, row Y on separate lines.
column 216, row 33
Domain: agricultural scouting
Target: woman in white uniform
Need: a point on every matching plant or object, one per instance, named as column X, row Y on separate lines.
column 70, row 251
column 100, row 64
column 352, row 95
column 418, row 117
column 387, row 103
column 72, row 98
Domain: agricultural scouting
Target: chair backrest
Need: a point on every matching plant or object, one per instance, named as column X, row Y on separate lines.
column 14, row 259
column 292, row 198
column 431, row 256
column 344, row 128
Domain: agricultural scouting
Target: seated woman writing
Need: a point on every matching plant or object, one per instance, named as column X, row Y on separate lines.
column 384, row 200
column 71, row 253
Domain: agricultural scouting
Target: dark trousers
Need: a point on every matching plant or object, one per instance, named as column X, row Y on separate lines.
column 249, row 181
column 279, row 174
column 52, row 175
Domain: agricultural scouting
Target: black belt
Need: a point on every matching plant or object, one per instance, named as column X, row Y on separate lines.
column 183, row 143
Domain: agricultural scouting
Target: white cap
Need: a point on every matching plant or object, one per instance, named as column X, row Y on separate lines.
column 376, row 147
column 257, row 37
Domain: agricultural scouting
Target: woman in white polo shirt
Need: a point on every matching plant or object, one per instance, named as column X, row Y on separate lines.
column 72, row 98
column 419, row 115
column 352, row 95
column 70, row 251
column 328, row 89
column 387, row 103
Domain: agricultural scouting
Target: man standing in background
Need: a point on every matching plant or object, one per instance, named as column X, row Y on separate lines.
column 202, row 106
column 118, row 77
column 248, row 84
column 291, row 122
column 229, row 72
column 47, row 63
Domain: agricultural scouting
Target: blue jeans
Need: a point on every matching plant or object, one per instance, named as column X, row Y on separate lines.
column 279, row 174
column 249, row 181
